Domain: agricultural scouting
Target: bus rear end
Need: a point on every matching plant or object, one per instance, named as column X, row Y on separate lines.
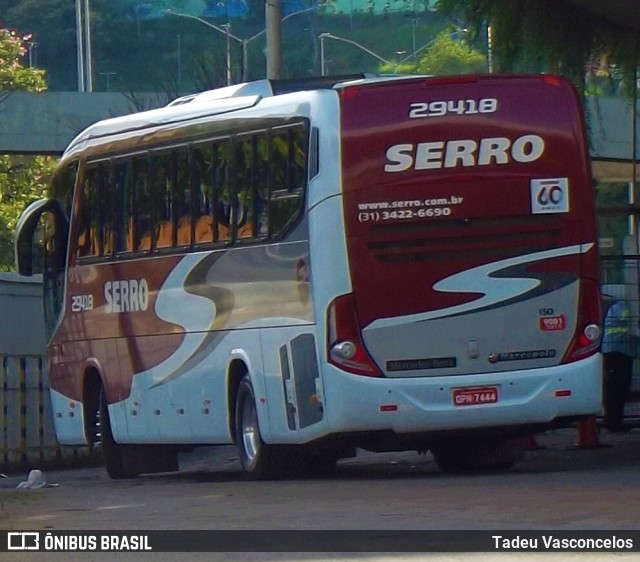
column 471, row 242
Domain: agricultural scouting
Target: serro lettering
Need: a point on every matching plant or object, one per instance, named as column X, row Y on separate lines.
column 464, row 153
column 130, row 295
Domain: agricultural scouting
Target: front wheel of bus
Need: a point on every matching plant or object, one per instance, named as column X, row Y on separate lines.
column 259, row 460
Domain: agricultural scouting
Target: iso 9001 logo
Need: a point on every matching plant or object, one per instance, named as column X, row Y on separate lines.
column 29, row 540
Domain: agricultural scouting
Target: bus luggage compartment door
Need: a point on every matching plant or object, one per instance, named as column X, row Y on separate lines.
column 299, row 365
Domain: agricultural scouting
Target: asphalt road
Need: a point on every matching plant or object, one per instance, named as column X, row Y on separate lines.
column 556, row 487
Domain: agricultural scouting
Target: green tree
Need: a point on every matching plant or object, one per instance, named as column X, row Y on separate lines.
column 547, row 35
column 445, row 55
column 23, row 179
column 450, row 56
column 13, row 75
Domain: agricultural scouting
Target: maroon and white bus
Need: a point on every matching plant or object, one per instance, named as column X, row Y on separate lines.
column 304, row 269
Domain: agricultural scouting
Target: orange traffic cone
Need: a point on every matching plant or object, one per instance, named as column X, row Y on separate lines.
column 588, row 434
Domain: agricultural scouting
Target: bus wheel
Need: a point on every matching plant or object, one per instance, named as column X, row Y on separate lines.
column 482, row 455
column 498, row 454
column 114, row 454
column 450, row 459
column 259, row 460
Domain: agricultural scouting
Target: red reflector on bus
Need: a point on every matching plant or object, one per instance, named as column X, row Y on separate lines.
column 388, row 407
column 562, row 393
column 350, row 93
column 552, row 80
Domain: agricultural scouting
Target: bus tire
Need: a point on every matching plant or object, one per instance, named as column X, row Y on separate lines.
column 259, row 460
column 115, row 457
column 450, row 459
column 482, row 455
column 499, row 454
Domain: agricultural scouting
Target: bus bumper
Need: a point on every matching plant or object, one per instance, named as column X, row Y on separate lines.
column 534, row 396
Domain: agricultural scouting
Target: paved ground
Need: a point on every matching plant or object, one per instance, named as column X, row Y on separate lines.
column 556, row 468
column 561, row 450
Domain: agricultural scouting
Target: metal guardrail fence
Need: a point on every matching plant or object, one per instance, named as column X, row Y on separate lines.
column 27, row 436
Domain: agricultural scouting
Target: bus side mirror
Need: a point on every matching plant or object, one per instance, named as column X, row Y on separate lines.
column 26, row 229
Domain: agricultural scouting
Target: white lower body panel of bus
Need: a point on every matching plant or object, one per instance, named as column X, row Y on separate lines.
column 529, row 397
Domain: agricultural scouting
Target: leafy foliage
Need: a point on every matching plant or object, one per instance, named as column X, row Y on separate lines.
column 23, row 179
column 446, row 55
column 546, row 35
column 13, row 76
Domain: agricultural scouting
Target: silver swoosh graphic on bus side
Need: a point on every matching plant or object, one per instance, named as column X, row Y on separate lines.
column 479, row 280
column 194, row 313
column 222, row 300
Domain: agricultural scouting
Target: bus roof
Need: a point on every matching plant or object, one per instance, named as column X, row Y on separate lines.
column 212, row 102
column 241, row 96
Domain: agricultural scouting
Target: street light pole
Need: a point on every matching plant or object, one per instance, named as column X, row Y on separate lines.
column 244, row 43
column 323, row 61
column 274, row 36
column 88, row 57
column 418, row 50
column 32, row 46
column 323, row 69
column 227, row 27
column 354, row 43
column 80, row 45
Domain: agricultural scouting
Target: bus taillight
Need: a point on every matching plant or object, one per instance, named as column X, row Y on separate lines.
column 345, row 347
column 586, row 339
column 552, row 80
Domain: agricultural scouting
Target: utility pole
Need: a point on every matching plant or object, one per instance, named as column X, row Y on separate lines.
column 83, row 44
column 273, row 10
column 80, row 45
column 88, row 57
column 323, row 63
column 227, row 28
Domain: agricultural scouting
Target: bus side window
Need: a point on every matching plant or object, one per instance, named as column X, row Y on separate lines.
column 107, row 211
column 96, row 213
column 62, row 187
column 223, row 190
column 161, row 189
column 124, row 188
column 182, row 198
column 242, row 210
column 201, row 169
column 143, row 204
column 287, row 178
column 86, row 217
column 261, row 179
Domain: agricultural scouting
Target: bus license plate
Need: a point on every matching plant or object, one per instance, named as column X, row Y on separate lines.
column 473, row 396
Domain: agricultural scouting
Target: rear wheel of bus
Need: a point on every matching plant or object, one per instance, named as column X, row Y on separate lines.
column 128, row 461
column 259, row 460
column 468, row 456
column 112, row 452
